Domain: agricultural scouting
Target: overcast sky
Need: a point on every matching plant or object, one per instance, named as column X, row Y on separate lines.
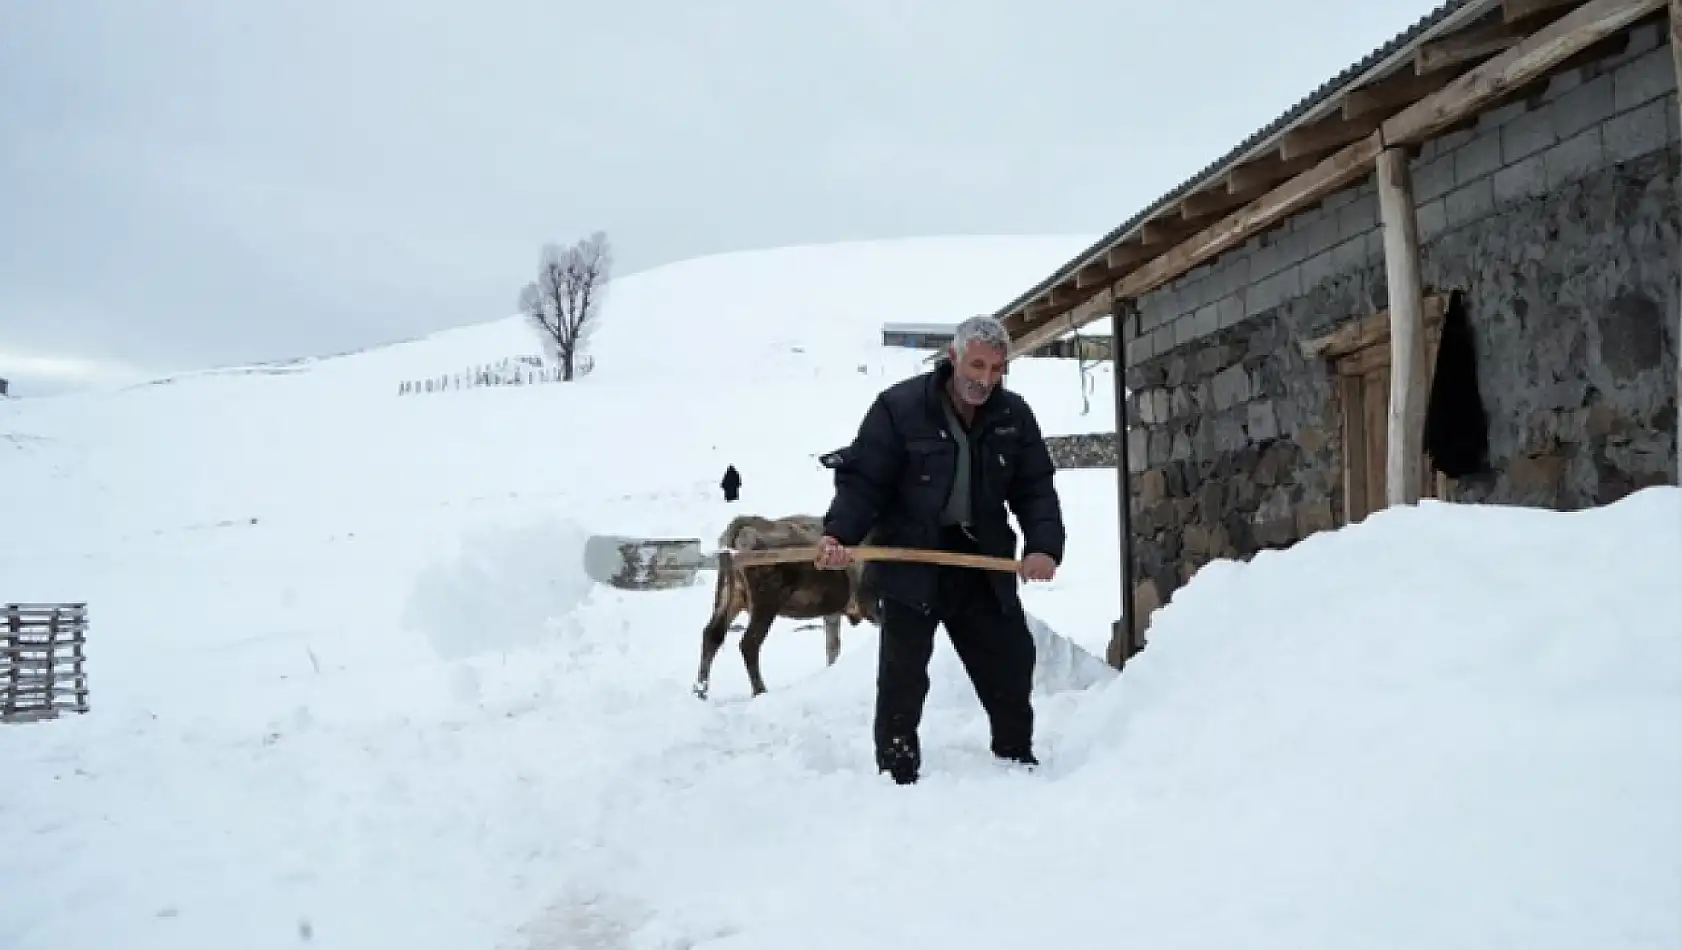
column 192, row 184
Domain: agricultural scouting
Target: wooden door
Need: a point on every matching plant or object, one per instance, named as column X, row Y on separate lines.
column 1363, row 377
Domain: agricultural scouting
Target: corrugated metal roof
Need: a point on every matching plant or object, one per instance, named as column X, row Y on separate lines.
column 1399, row 42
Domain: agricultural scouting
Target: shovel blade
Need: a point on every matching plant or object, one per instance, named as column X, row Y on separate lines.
column 629, row 563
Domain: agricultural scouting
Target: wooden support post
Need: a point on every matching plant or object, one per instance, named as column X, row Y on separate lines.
column 1676, row 61
column 1127, row 634
column 1407, row 328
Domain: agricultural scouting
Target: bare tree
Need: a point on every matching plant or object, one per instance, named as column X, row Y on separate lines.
column 564, row 303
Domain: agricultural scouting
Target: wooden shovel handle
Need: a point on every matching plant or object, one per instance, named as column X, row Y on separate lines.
column 869, row 553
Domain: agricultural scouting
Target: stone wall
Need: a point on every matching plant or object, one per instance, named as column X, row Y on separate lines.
column 1088, row 450
column 1557, row 218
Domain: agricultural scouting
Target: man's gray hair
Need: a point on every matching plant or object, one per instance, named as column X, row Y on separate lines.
column 981, row 328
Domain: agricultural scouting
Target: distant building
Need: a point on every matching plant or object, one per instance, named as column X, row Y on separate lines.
column 936, row 337
column 918, row 336
column 3, row 385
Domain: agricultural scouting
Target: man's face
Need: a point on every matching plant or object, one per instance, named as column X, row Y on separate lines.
column 976, row 371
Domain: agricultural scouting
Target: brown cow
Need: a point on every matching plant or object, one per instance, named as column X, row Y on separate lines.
column 797, row 591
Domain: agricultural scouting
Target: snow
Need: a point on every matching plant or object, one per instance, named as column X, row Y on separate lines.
column 350, row 688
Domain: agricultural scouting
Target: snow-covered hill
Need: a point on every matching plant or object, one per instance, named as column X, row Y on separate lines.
column 351, row 690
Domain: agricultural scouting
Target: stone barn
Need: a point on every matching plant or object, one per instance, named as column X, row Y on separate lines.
column 1449, row 272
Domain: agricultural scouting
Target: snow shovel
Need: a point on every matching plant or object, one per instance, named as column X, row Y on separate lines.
column 654, row 563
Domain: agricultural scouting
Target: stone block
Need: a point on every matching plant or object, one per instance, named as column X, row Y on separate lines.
column 1477, row 158
column 1433, row 179
column 1643, row 79
column 1206, row 321
column 1231, row 386
column 1632, row 331
column 1375, row 244
column 1314, row 516
column 1561, row 83
column 1262, row 423
column 1320, row 235
column 1433, row 220
column 1179, row 402
column 1138, row 450
column 1162, row 405
column 1318, row 269
column 1161, row 447
column 1573, row 158
column 1140, row 349
column 1231, row 309
column 1181, row 452
column 1348, row 256
column 1358, row 217
column 1153, row 486
column 1229, row 433
column 1524, row 179
column 1273, row 291
column 1162, row 340
column 1184, row 330
column 1589, row 104
column 1630, row 135
column 1177, row 367
column 1233, row 276
column 1312, row 438
column 1536, row 478
column 1469, row 203
column 1495, row 118
column 1527, row 135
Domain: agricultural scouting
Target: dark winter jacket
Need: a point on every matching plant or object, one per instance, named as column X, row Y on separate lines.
column 896, row 474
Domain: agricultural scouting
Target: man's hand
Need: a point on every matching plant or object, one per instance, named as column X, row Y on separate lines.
column 831, row 554
column 1038, row 567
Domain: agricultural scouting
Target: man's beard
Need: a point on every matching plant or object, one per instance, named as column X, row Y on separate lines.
column 971, row 391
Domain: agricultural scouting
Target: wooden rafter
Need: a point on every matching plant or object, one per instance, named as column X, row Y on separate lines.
column 1479, row 42
column 1166, row 230
column 1313, row 141
column 1265, row 173
column 1394, row 92
column 1123, row 256
column 1517, row 11
column 1218, row 200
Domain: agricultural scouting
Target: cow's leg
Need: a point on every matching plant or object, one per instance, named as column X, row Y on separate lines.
column 831, row 638
column 759, row 626
column 712, row 638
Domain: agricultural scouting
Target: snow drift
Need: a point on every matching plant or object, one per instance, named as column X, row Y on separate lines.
column 350, row 692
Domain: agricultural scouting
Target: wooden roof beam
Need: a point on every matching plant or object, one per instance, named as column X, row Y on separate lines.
column 1467, row 46
column 1165, row 231
column 1219, row 200
column 1396, row 91
column 1266, row 172
column 1321, row 137
column 1516, row 11
column 1093, row 275
column 1123, row 256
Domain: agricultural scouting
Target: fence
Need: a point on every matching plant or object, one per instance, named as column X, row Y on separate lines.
column 41, row 660
column 511, row 371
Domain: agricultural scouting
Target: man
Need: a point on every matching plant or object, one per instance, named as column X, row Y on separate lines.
column 935, row 461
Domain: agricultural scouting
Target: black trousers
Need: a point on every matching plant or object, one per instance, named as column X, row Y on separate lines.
column 992, row 641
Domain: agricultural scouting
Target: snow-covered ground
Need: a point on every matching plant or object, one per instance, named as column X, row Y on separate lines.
column 350, row 689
